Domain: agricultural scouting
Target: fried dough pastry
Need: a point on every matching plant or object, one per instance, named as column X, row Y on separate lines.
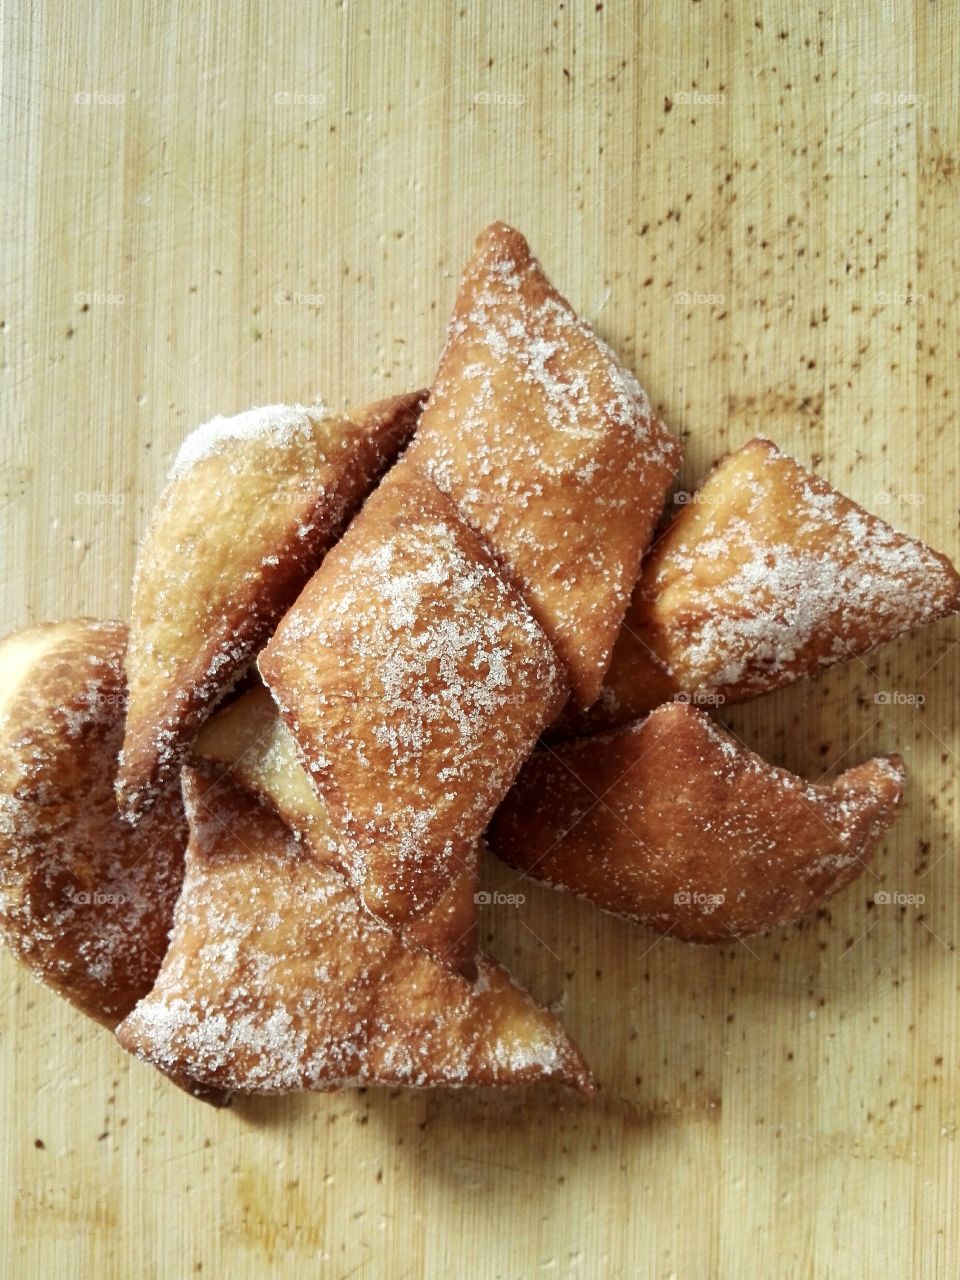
column 277, row 979
column 672, row 823
column 550, row 449
column 86, row 900
column 253, row 504
column 766, row 576
column 415, row 683
column 249, row 738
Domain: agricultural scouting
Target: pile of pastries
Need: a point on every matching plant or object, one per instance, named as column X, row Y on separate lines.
column 244, row 832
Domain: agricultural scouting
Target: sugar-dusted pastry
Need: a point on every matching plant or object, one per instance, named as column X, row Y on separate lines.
column 767, row 575
column 86, row 900
column 550, row 449
column 673, row 823
column 249, row 738
column 277, row 979
column 252, row 505
column 415, row 683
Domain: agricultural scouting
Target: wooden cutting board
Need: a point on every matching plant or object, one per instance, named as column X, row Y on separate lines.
column 758, row 207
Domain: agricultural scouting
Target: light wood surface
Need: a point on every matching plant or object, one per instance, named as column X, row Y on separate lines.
column 757, row 204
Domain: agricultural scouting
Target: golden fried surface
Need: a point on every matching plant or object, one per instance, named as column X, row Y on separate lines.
column 86, row 900
column 766, row 576
column 253, row 504
column 673, row 823
column 550, row 449
column 249, row 737
column 415, row 683
column 277, row 979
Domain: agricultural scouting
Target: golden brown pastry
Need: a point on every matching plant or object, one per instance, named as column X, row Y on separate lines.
column 249, row 737
column 86, row 900
column 766, row 576
column 672, row 823
column 415, row 683
column 277, row 979
column 252, row 506
column 550, row 449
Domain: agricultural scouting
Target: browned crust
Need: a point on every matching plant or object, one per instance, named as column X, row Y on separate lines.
column 258, row 752
column 87, row 900
column 235, row 537
column 672, row 823
column 415, row 682
column 275, row 979
column 550, row 449
column 767, row 575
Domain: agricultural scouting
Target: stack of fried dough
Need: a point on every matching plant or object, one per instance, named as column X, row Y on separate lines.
column 244, row 832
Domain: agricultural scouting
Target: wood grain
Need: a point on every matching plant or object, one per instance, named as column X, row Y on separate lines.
column 757, row 205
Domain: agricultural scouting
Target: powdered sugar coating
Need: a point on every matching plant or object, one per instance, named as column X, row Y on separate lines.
column 766, row 576
column 415, row 683
column 85, row 900
column 281, row 425
column 549, row 448
column 253, row 504
column 277, row 979
column 673, row 823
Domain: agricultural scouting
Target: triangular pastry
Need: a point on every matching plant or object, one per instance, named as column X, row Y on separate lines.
column 766, row 576
column 550, row 449
column 672, row 823
column 277, row 979
column 86, row 900
column 415, row 683
column 252, row 505
column 249, row 738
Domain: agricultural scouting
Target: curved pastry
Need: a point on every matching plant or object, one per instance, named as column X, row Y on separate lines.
column 550, row 450
column 674, row 824
column 766, row 576
column 253, row 504
column 86, row 900
column 415, row 683
column 276, row 979
column 249, row 737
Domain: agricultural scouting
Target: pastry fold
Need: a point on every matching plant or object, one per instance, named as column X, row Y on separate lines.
column 256, row 747
column 86, row 899
column 277, row 979
column 672, row 823
column 415, row 682
column 767, row 575
column 550, row 450
column 252, row 505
